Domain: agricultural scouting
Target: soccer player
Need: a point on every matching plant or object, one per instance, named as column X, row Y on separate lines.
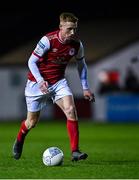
column 47, row 65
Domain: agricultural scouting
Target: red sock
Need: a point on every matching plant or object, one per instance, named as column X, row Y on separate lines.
column 73, row 132
column 22, row 132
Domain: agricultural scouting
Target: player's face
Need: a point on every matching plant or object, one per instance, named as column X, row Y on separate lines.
column 67, row 30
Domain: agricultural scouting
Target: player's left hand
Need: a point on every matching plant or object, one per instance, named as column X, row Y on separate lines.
column 89, row 95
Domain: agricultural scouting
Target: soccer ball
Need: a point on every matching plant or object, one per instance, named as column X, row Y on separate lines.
column 53, row 156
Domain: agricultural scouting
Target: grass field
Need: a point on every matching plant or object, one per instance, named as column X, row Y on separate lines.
column 113, row 151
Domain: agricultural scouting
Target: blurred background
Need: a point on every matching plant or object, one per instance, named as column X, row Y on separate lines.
column 110, row 34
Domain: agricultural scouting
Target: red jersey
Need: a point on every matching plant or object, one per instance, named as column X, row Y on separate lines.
column 53, row 62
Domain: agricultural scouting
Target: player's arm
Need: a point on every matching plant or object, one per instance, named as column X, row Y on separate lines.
column 83, row 74
column 41, row 48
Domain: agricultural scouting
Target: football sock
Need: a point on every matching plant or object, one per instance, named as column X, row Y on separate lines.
column 73, row 132
column 22, row 132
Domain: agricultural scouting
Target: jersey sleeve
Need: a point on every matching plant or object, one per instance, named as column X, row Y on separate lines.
column 80, row 53
column 42, row 47
column 82, row 67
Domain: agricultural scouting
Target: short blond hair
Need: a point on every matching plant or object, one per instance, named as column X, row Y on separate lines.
column 68, row 17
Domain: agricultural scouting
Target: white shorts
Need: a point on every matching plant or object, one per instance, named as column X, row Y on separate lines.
column 36, row 100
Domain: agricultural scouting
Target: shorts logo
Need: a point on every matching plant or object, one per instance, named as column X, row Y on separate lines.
column 72, row 51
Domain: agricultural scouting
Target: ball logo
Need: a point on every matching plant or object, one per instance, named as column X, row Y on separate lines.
column 54, row 152
column 47, row 159
column 53, row 156
column 72, row 51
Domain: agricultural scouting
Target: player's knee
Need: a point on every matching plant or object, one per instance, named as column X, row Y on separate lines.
column 70, row 110
column 31, row 123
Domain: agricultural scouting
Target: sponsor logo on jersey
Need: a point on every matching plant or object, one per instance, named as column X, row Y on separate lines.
column 54, row 50
column 71, row 51
column 60, row 60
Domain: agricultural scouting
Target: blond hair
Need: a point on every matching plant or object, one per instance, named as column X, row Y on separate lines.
column 68, row 17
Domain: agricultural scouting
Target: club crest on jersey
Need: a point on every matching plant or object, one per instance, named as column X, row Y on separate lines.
column 71, row 51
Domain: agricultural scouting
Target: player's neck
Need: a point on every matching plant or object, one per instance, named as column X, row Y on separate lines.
column 62, row 39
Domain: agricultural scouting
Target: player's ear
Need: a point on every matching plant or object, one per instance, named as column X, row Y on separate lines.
column 60, row 26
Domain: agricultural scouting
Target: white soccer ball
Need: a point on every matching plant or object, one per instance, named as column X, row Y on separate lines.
column 53, row 156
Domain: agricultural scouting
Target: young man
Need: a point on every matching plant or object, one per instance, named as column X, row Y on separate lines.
column 47, row 65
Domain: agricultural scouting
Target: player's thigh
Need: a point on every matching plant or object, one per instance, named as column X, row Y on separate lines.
column 34, row 106
column 60, row 90
column 66, row 102
column 35, row 103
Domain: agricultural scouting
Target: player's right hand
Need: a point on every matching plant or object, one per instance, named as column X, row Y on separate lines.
column 43, row 85
column 89, row 95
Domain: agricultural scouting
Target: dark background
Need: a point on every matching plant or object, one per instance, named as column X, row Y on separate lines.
column 22, row 21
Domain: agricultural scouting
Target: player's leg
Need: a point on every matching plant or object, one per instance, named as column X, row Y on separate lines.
column 26, row 125
column 67, row 105
column 35, row 102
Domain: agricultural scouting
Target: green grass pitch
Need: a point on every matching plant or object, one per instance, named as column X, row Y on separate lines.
column 113, row 151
